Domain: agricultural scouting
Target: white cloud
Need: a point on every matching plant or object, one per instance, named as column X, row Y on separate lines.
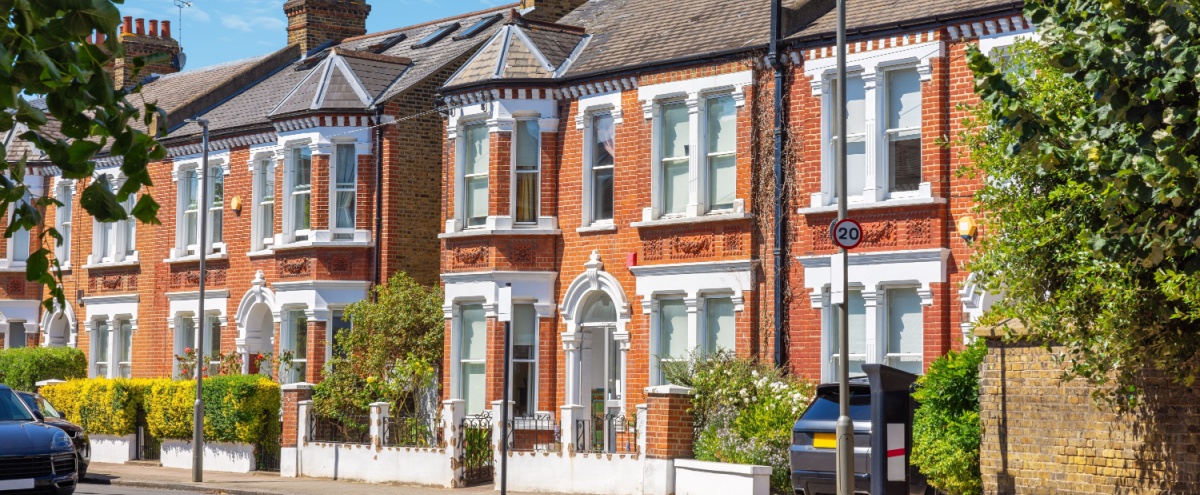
column 241, row 23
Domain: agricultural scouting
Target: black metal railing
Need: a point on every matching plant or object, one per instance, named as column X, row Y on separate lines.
column 478, row 460
column 413, row 430
column 148, row 447
column 350, row 428
column 540, row 433
column 607, row 433
column 268, row 450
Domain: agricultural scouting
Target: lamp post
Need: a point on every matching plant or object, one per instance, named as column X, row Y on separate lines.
column 198, row 407
column 504, row 313
column 845, row 427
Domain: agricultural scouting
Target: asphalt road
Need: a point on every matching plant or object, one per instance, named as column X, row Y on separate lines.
column 90, row 489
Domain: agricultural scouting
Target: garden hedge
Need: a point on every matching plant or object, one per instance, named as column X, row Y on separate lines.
column 242, row 409
column 23, row 367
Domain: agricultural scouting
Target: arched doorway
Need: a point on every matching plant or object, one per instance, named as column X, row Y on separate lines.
column 602, row 366
column 260, row 333
column 59, row 328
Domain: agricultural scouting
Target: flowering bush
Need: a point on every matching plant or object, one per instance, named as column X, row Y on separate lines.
column 743, row 410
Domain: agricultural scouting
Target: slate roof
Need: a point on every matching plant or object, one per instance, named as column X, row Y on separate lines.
column 879, row 15
column 521, row 50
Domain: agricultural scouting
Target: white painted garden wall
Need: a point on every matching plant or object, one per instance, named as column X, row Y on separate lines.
column 594, row 474
column 418, row 466
column 694, row 477
column 112, row 449
column 219, row 457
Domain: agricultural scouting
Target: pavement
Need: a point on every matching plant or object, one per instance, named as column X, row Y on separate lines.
column 160, row 478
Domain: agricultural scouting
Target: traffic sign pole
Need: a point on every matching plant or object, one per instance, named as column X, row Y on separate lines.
column 845, row 427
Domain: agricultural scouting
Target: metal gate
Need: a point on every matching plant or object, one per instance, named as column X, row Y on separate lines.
column 478, row 460
column 267, row 451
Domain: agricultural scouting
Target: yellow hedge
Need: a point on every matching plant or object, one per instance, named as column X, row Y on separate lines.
column 101, row 406
column 241, row 409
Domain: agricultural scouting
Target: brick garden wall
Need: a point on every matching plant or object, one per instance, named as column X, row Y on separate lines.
column 1044, row 436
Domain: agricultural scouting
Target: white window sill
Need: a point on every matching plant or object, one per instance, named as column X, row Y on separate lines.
column 481, row 232
column 195, row 258
column 127, row 262
column 596, row 228
column 262, row 253
column 709, row 218
column 291, row 246
column 12, row 266
column 874, row 205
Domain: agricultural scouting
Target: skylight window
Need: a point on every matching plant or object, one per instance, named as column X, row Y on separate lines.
column 479, row 26
column 437, row 35
column 387, row 43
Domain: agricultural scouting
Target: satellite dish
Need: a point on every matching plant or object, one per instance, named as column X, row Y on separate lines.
column 178, row 60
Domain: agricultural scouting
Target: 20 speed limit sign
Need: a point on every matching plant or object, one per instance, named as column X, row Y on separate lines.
column 846, row 234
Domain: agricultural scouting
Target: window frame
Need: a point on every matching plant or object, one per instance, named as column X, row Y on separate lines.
column 459, row 325
column 689, row 307
column 214, row 212
column 184, row 249
column 191, row 227
column 101, row 325
column 64, row 192
column 887, row 134
column 291, row 195
column 264, row 232
column 18, row 256
column 532, row 361
column 468, row 178
column 687, row 159
column 289, row 342
column 338, row 188
column 124, row 362
column 707, row 175
column 591, row 170
column 876, row 329
column 517, row 169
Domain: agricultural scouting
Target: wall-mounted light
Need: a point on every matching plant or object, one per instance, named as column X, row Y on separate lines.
column 236, row 204
column 967, row 228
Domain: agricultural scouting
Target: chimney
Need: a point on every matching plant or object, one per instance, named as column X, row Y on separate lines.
column 139, row 43
column 311, row 23
column 548, row 10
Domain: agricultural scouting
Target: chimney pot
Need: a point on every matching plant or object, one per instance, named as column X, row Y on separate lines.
column 154, row 28
column 166, row 29
column 141, row 27
column 127, row 26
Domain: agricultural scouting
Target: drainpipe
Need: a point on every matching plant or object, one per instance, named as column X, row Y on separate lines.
column 780, row 277
column 378, row 238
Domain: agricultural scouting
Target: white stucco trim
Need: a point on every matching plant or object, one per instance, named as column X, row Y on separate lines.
column 50, row 318
column 108, row 308
column 875, row 271
column 990, row 42
column 316, row 296
column 484, row 287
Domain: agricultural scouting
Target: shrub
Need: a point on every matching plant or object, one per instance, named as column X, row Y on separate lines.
column 23, row 367
column 743, row 410
column 101, row 406
column 243, row 409
column 946, row 428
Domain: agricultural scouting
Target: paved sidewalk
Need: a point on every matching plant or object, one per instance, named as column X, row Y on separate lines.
column 256, row 484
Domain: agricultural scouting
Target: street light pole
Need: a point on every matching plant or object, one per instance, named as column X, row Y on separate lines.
column 505, row 314
column 845, row 427
column 202, row 247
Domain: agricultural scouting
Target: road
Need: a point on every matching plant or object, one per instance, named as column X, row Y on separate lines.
column 90, row 489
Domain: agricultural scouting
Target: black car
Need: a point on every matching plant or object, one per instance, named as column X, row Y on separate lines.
column 51, row 416
column 34, row 456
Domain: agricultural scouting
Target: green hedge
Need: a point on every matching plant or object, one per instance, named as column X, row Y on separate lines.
column 23, row 367
column 243, row 409
column 946, row 427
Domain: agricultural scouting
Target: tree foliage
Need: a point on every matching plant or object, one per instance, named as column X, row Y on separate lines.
column 1090, row 141
column 44, row 53
column 946, row 427
column 390, row 352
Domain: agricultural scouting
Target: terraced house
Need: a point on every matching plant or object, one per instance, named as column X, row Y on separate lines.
column 323, row 176
column 614, row 168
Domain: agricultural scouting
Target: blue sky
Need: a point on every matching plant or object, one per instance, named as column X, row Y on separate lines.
column 216, row 31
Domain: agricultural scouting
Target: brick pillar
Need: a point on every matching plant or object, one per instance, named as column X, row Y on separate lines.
column 297, row 399
column 668, row 423
column 316, row 351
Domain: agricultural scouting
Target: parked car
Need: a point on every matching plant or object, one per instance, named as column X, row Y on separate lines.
column 34, row 456
column 51, row 416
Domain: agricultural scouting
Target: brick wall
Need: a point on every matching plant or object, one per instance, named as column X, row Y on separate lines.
column 292, row 396
column 313, row 22
column 1042, row 435
column 669, row 425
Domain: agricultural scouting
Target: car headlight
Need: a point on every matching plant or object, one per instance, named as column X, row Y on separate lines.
column 60, row 441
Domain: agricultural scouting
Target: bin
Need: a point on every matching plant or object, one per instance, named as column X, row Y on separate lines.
column 881, row 408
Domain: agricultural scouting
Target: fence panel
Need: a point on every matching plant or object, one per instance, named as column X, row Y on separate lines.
column 606, row 433
column 354, row 428
column 478, row 460
column 413, row 430
column 540, row 433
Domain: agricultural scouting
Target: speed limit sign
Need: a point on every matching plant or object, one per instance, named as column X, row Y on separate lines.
column 846, row 234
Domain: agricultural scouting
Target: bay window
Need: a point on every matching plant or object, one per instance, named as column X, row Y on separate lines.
column 603, row 141
column 720, row 332
column 129, row 227
column 300, row 193
column 857, row 353
column 125, row 348
column 295, row 341
column 63, row 222
column 526, row 164
column 720, row 112
column 264, row 210
column 345, row 192
column 903, row 133
column 193, row 211
column 216, row 207
column 673, row 343
column 905, row 331
column 475, row 175
column 102, row 334
column 524, row 364
column 676, row 159
column 190, row 185
column 472, row 351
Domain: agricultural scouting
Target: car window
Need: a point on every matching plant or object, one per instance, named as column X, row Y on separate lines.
column 11, row 408
column 48, row 410
column 825, row 406
column 29, row 401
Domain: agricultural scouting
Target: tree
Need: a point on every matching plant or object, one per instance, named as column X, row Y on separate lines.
column 390, row 352
column 44, row 53
column 1089, row 142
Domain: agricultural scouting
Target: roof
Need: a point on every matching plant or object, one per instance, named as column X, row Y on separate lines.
column 354, row 75
column 881, row 15
column 521, row 50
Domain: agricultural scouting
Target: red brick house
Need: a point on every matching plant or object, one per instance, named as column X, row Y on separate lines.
column 324, row 167
column 614, row 169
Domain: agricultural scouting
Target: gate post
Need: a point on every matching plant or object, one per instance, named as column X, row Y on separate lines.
column 296, row 397
column 453, row 412
column 498, row 429
column 378, row 428
column 570, row 414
